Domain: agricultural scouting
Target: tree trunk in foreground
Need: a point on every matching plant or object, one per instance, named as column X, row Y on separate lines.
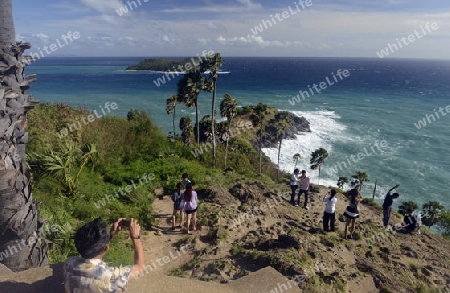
column 21, row 245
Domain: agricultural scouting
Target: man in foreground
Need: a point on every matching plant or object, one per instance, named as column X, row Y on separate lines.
column 89, row 273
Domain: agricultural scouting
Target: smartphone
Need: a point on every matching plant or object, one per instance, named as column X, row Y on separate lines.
column 124, row 223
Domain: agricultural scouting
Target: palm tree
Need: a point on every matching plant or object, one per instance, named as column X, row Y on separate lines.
column 189, row 88
column 341, row 181
column 171, row 105
column 444, row 223
column 360, row 177
column 228, row 108
column 296, row 157
column 186, row 129
column 18, row 209
column 433, row 211
column 212, row 64
column 317, row 159
column 259, row 112
column 403, row 208
column 277, row 129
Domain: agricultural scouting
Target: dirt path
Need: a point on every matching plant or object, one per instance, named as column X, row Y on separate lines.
column 162, row 245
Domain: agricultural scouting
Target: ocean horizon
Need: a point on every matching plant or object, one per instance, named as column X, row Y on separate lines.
column 387, row 117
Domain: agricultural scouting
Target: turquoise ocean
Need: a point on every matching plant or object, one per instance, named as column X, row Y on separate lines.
column 378, row 102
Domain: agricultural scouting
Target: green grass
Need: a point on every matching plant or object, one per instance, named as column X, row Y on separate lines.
column 236, row 249
column 191, row 264
column 371, row 202
column 176, row 272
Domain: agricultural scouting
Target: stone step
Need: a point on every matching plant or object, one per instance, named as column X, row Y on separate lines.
column 50, row 279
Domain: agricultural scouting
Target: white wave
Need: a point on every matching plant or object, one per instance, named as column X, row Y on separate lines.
column 325, row 130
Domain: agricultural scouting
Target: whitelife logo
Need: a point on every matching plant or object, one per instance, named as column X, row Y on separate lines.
column 411, row 38
column 56, row 46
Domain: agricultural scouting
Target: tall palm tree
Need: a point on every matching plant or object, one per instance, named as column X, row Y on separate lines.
column 259, row 112
column 228, row 108
column 186, row 129
column 317, row 158
column 277, row 129
column 18, row 210
column 189, row 88
column 360, row 177
column 212, row 64
column 296, row 157
column 171, row 105
column 341, row 181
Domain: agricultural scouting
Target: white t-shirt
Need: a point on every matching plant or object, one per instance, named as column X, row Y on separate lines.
column 294, row 179
column 331, row 205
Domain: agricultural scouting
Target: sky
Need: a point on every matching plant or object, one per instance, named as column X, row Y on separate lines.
column 318, row 28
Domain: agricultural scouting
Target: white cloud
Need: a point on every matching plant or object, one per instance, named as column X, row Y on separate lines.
column 250, row 4
column 309, row 33
column 103, row 6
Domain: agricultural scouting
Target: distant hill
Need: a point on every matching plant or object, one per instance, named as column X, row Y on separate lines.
column 163, row 64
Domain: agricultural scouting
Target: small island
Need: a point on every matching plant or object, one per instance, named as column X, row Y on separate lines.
column 166, row 65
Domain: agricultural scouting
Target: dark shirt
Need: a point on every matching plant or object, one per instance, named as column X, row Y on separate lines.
column 410, row 222
column 387, row 201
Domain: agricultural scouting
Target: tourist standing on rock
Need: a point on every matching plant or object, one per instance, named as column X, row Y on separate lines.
column 329, row 215
column 387, row 205
column 294, row 185
column 304, row 188
column 185, row 179
column 89, row 273
column 178, row 206
column 352, row 212
column 190, row 207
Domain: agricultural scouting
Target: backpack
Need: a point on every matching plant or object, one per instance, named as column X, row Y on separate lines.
column 179, row 203
column 177, row 200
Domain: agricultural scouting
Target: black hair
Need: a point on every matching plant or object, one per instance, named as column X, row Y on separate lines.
column 409, row 210
column 333, row 193
column 395, row 195
column 179, row 184
column 185, row 175
column 92, row 238
column 353, row 193
column 296, row 170
column 188, row 192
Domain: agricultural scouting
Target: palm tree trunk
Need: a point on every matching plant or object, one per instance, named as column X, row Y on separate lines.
column 226, row 144
column 260, row 142
column 212, row 122
column 7, row 33
column 19, row 227
column 319, row 174
column 173, row 122
column 279, row 151
column 197, row 122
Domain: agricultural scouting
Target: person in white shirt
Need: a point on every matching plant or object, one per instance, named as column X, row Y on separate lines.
column 329, row 215
column 294, row 186
column 304, row 188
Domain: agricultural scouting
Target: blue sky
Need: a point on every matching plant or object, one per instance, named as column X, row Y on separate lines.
column 337, row 28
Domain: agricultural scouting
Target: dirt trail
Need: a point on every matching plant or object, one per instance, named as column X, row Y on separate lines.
column 162, row 245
